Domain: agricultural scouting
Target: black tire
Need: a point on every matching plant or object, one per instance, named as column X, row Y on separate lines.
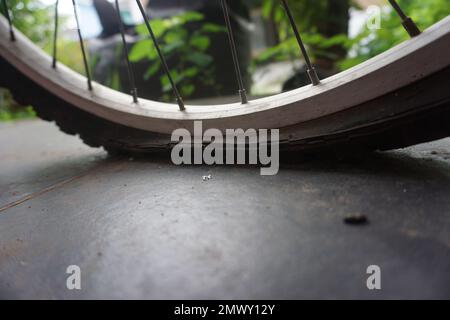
column 429, row 121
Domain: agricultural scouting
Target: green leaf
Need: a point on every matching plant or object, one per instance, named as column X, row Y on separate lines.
column 175, row 34
column 199, row 58
column 172, row 46
column 158, row 26
column 200, row 42
column 187, row 90
column 142, row 50
column 190, row 16
column 212, row 28
column 165, row 83
column 152, row 70
column 191, row 72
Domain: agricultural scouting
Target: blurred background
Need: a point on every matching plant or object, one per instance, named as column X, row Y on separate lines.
column 193, row 38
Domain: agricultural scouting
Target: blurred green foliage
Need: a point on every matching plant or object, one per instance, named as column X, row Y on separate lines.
column 33, row 19
column 187, row 52
column 311, row 14
column 10, row 110
column 323, row 25
column 369, row 43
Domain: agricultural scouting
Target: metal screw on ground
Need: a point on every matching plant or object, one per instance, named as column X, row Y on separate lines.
column 310, row 69
column 407, row 22
column 161, row 57
column 232, row 42
column 8, row 17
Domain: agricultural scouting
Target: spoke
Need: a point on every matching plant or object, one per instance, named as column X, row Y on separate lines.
column 242, row 92
column 161, row 57
column 8, row 17
column 125, row 49
column 407, row 22
column 55, row 35
column 310, row 69
column 80, row 37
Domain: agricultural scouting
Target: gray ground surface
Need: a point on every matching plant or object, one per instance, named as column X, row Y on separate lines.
column 147, row 229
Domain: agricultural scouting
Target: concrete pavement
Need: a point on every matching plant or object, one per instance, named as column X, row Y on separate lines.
column 144, row 228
